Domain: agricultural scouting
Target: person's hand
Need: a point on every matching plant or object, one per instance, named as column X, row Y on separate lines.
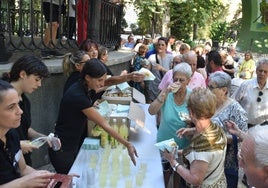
column 159, row 67
column 185, row 132
column 132, row 153
column 26, row 146
column 123, row 72
column 54, row 141
column 174, row 87
column 136, row 76
column 232, row 127
column 38, row 178
column 170, row 156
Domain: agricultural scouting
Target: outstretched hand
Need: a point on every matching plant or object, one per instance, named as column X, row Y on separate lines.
column 132, row 153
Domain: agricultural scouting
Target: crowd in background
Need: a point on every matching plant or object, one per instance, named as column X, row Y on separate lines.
column 206, row 99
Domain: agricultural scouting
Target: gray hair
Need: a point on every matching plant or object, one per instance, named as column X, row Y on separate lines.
column 259, row 135
column 262, row 61
column 183, row 68
column 187, row 57
column 221, row 79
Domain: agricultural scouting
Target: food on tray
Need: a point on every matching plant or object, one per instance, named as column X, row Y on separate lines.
column 118, row 93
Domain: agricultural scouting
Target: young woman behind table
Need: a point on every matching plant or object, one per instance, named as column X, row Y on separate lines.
column 75, row 109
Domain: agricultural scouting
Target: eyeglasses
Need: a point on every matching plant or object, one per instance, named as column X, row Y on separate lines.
column 259, row 97
column 211, row 87
column 181, row 80
column 176, row 62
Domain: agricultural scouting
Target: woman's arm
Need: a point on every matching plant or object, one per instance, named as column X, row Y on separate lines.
column 30, row 177
column 94, row 116
column 195, row 175
column 34, row 134
column 134, row 76
column 156, row 105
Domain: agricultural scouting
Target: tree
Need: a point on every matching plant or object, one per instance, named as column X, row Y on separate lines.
column 190, row 19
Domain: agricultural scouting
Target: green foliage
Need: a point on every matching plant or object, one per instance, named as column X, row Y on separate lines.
column 218, row 31
column 185, row 15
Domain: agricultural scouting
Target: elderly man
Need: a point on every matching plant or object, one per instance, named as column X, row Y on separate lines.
column 253, row 95
column 253, row 157
column 197, row 80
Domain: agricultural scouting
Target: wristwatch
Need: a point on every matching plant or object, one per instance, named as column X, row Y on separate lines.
column 176, row 166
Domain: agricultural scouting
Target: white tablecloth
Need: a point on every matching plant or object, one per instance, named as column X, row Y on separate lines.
column 143, row 140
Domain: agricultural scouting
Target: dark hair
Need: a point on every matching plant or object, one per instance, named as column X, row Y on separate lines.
column 4, row 86
column 200, row 62
column 163, row 39
column 102, row 51
column 94, row 68
column 87, row 44
column 215, row 57
column 28, row 63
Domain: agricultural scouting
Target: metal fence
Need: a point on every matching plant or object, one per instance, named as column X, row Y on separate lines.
column 22, row 25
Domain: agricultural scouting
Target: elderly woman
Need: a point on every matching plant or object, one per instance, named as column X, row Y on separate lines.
column 228, row 109
column 171, row 104
column 206, row 152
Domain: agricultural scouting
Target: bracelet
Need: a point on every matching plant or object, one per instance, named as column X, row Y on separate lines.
column 157, row 98
column 176, row 166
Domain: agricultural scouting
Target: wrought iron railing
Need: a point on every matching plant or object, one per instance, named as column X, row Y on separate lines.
column 22, row 25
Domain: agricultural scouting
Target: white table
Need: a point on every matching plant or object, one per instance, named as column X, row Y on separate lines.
column 144, row 142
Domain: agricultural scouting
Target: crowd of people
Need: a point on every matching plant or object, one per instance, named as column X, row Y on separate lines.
column 192, row 97
column 236, row 86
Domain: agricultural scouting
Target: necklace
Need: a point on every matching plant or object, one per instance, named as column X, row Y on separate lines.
column 179, row 99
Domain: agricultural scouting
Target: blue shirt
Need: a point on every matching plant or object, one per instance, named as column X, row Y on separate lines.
column 171, row 121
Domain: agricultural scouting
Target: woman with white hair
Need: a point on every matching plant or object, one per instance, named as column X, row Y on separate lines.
column 228, row 109
column 172, row 102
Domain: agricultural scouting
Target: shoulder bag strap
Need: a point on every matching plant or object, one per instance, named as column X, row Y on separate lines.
column 157, row 61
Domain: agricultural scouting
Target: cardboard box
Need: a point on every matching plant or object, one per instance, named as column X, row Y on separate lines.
column 91, row 144
column 118, row 97
column 135, row 114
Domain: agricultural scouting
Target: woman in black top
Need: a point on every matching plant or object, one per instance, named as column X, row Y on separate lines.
column 75, row 109
column 13, row 170
column 26, row 76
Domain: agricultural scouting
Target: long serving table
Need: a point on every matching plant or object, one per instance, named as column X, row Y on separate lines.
column 113, row 168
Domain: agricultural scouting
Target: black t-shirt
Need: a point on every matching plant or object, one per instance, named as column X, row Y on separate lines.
column 25, row 124
column 9, row 157
column 74, row 77
column 71, row 123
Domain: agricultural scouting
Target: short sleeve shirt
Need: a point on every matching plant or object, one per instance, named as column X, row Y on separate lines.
column 71, row 123
column 9, row 157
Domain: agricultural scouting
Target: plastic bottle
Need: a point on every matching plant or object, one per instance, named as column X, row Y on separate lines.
column 123, row 129
column 54, row 140
column 104, row 138
column 114, row 142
